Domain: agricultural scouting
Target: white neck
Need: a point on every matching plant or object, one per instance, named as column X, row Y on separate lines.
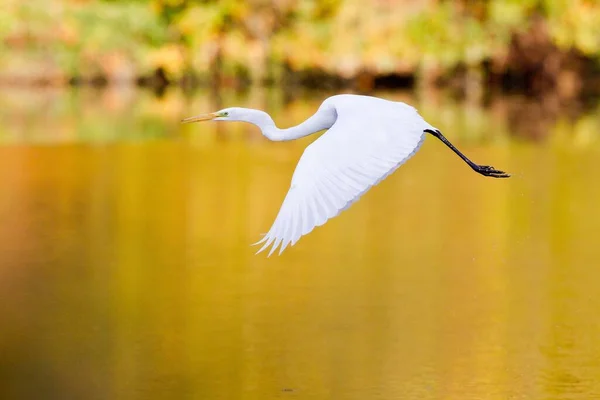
column 324, row 118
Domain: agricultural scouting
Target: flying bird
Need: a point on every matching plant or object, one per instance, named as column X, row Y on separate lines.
column 367, row 139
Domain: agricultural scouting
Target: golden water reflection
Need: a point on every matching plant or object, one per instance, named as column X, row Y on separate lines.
column 125, row 270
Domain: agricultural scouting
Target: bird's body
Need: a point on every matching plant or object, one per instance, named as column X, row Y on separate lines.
column 367, row 139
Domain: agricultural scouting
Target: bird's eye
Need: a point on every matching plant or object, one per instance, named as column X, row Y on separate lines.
column 225, row 114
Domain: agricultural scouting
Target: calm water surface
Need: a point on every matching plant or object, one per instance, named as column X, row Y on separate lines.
column 126, row 271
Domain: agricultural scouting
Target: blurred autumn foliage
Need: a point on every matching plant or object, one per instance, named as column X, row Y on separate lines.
column 527, row 44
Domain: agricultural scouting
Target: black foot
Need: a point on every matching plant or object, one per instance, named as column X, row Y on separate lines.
column 487, row 170
column 484, row 170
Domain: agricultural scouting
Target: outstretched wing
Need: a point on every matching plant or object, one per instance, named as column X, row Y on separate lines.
column 363, row 147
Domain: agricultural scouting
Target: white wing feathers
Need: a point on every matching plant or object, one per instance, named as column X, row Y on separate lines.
column 356, row 153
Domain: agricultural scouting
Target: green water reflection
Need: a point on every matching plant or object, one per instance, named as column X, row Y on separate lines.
column 125, row 270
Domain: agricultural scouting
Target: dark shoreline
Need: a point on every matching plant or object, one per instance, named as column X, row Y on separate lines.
column 532, row 82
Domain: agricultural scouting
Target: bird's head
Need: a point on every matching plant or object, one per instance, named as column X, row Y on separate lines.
column 229, row 114
column 226, row 114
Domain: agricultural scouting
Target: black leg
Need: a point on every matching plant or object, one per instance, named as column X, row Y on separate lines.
column 481, row 169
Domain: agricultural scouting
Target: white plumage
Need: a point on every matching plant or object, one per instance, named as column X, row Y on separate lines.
column 367, row 139
column 345, row 162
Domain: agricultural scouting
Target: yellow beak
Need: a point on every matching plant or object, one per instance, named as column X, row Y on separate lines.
column 198, row 118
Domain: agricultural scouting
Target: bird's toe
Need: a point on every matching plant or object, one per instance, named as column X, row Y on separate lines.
column 488, row 170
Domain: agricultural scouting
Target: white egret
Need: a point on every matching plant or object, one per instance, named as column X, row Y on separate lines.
column 367, row 139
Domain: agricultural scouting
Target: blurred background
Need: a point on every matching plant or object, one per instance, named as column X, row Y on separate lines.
column 125, row 265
